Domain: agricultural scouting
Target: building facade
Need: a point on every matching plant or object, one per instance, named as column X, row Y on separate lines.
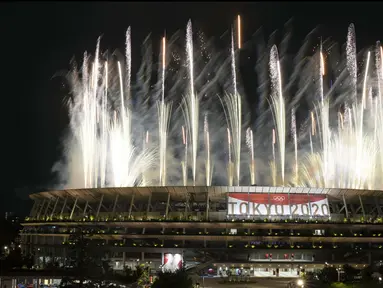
column 246, row 230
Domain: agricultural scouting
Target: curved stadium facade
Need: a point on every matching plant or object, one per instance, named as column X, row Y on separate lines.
column 266, row 230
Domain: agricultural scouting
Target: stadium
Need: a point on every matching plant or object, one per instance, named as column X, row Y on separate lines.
column 245, row 230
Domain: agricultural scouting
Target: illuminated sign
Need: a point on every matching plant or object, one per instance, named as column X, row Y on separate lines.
column 257, row 204
column 172, row 262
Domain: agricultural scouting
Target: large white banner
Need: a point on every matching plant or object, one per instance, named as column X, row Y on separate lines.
column 256, row 204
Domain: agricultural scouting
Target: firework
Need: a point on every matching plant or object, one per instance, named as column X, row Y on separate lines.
column 108, row 121
column 295, row 139
column 250, row 146
column 191, row 102
column 278, row 107
column 233, row 111
column 184, row 163
column 230, row 174
column 208, row 163
column 164, row 111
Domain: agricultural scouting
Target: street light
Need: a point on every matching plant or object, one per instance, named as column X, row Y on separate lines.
column 300, row 283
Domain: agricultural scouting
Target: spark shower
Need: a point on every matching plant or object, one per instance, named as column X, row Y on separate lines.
column 191, row 127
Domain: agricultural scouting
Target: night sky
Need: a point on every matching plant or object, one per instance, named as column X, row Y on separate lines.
column 39, row 39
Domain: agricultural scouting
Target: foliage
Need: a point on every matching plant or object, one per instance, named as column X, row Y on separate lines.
column 179, row 279
column 139, row 275
column 339, row 285
column 8, row 232
column 85, row 260
column 328, row 275
column 369, row 284
column 143, row 279
column 309, row 275
column 367, row 273
column 15, row 260
column 350, row 272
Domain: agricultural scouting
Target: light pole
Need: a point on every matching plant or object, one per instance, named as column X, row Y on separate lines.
column 339, row 270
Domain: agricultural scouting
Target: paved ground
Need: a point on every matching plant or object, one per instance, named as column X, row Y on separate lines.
column 255, row 282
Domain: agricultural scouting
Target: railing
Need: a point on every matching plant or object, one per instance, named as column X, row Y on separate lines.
column 211, row 234
column 156, row 247
column 189, row 219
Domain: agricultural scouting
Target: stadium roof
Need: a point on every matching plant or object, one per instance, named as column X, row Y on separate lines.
column 215, row 192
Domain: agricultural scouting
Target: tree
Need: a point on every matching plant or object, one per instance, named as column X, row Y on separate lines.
column 28, row 261
column 339, row 285
column 8, row 232
column 367, row 273
column 369, row 284
column 350, row 272
column 84, row 261
column 328, row 275
column 179, row 279
column 15, row 260
column 138, row 275
column 143, row 277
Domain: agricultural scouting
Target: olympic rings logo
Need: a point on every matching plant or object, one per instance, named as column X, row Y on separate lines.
column 279, row 198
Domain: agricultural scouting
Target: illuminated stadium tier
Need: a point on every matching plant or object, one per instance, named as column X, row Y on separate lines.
column 211, row 228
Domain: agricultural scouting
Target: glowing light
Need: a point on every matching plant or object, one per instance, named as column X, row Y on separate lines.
column 239, row 31
column 163, row 52
column 323, row 70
